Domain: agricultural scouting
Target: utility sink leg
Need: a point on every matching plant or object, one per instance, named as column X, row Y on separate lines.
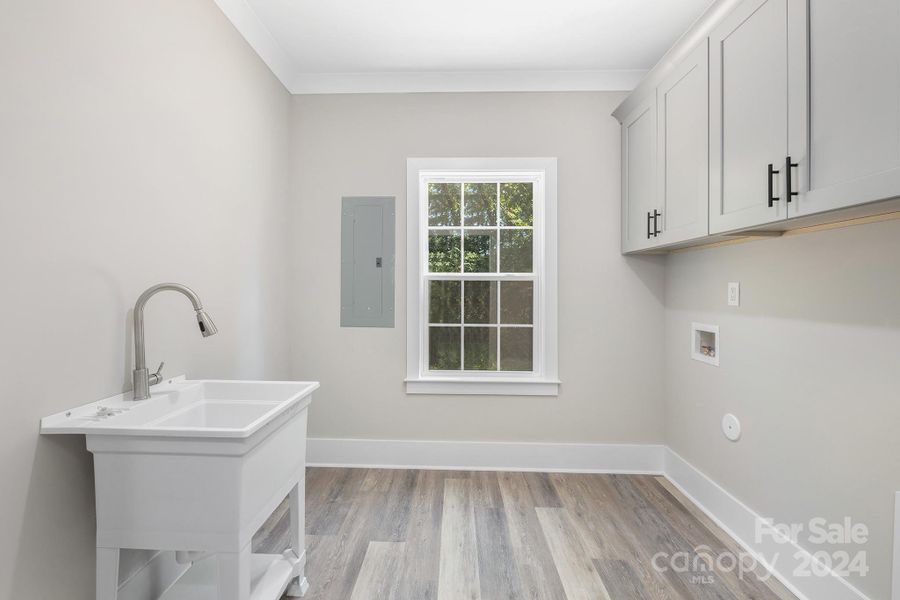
column 299, row 585
column 107, row 573
column 297, row 588
column 233, row 581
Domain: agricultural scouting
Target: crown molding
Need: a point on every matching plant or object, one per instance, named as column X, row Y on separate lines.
column 464, row 81
column 246, row 21
column 248, row 24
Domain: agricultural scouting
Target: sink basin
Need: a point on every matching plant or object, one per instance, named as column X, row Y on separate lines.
column 186, row 408
column 199, row 467
column 216, row 414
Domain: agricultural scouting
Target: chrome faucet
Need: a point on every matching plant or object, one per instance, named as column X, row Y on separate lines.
column 141, row 376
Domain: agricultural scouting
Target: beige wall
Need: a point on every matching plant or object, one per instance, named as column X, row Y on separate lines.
column 141, row 141
column 144, row 141
column 610, row 307
column 810, row 363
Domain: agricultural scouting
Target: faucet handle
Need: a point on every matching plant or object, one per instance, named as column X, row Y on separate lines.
column 157, row 377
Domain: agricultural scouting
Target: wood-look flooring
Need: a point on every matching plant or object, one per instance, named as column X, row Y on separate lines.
column 377, row 534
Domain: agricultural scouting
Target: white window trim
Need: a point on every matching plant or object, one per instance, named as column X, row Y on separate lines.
column 544, row 381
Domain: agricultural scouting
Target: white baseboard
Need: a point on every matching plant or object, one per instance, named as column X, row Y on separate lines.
column 153, row 579
column 486, row 456
column 740, row 522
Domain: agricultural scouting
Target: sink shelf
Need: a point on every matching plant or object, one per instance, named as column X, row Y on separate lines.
column 270, row 575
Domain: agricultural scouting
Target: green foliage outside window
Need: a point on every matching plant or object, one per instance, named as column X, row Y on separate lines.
column 468, row 234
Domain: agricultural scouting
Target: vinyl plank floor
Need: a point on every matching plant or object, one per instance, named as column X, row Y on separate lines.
column 498, row 575
column 576, row 571
column 377, row 575
column 376, row 534
column 458, row 573
column 540, row 579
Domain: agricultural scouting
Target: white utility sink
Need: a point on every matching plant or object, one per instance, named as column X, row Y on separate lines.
column 182, row 408
column 198, row 468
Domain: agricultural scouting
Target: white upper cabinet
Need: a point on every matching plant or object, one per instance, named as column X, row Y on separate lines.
column 683, row 145
column 853, row 71
column 750, row 106
column 764, row 112
column 639, row 177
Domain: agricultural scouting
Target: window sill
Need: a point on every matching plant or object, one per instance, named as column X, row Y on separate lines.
column 484, row 387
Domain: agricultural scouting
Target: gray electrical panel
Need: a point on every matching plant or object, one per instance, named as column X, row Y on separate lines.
column 367, row 261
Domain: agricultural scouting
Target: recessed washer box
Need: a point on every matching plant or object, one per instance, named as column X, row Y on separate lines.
column 705, row 343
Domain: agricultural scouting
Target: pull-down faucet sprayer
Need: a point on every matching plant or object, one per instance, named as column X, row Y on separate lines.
column 141, row 376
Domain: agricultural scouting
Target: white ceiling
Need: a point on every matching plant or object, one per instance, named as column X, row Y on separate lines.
column 321, row 46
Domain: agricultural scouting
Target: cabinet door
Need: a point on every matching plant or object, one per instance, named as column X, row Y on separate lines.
column 683, row 154
column 748, row 114
column 638, row 175
column 853, row 74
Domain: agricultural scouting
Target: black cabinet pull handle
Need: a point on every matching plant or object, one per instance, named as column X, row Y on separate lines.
column 772, row 173
column 656, row 216
column 788, row 165
column 649, row 235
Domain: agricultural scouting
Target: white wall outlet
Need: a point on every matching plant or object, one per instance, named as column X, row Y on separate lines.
column 734, row 293
column 731, row 427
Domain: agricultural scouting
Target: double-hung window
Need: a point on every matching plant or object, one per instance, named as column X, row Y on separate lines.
column 482, row 276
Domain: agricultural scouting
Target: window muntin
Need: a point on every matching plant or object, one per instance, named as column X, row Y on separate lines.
column 481, row 274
